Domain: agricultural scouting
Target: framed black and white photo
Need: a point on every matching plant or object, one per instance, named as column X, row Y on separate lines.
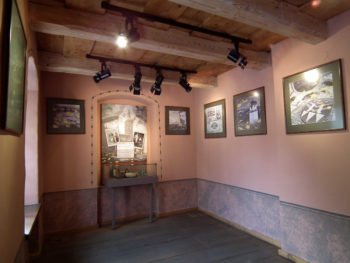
column 65, row 116
column 177, row 120
column 123, row 133
column 249, row 112
column 215, row 119
column 313, row 99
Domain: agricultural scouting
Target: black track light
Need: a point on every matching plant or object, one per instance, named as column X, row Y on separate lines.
column 103, row 74
column 136, row 85
column 184, row 83
column 156, row 87
column 130, row 35
column 236, row 57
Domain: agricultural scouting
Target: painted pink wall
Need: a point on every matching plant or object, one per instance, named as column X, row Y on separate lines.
column 67, row 158
column 11, row 196
column 247, row 161
column 314, row 168
column 306, row 169
column 12, row 176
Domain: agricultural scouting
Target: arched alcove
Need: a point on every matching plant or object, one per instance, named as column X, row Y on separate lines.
column 154, row 154
column 31, row 135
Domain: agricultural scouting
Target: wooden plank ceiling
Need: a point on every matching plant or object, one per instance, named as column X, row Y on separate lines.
column 67, row 30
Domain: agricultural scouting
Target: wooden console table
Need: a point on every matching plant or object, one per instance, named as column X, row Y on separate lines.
column 125, row 182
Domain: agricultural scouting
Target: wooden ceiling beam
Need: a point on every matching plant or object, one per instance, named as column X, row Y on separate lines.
column 61, row 21
column 272, row 15
column 52, row 62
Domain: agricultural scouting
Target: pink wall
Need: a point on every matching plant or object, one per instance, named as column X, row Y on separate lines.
column 67, row 158
column 12, row 177
column 11, row 196
column 314, row 168
column 306, row 169
column 247, row 161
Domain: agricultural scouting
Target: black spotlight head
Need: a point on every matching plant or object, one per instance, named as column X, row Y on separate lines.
column 133, row 35
column 156, row 87
column 136, row 85
column 184, row 83
column 103, row 74
column 237, row 58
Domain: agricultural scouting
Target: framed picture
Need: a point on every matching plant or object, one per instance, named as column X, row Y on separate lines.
column 249, row 112
column 215, row 119
column 13, row 67
column 177, row 120
column 2, row 61
column 313, row 99
column 124, row 135
column 65, row 116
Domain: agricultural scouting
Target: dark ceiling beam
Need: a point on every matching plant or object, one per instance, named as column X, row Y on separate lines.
column 171, row 22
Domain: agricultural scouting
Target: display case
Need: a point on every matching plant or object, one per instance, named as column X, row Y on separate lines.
column 127, row 170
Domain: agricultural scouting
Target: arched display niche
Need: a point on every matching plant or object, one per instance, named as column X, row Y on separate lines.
column 154, row 151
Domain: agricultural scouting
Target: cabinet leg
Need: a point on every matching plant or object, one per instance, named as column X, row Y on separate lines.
column 113, row 209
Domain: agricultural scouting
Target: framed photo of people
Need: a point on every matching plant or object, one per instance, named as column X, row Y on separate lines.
column 215, row 119
column 177, row 120
column 249, row 112
column 123, row 133
column 313, row 99
column 65, row 116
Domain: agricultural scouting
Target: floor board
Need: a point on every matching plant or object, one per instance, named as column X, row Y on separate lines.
column 191, row 237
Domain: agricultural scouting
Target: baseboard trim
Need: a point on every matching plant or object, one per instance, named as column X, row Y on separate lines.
column 244, row 229
column 287, row 255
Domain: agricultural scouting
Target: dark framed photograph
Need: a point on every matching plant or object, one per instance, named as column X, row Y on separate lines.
column 13, row 68
column 215, row 119
column 249, row 112
column 177, row 120
column 313, row 99
column 65, row 116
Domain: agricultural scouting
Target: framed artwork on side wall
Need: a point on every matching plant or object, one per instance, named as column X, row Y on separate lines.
column 215, row 119
column 13, row 68
column 65, row 116
column 177, row 120
column 249, row 112
column 313, row 99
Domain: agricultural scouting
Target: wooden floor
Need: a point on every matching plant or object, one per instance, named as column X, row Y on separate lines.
column 190, row 237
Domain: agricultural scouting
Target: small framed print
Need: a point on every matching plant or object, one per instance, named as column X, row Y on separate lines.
column 177, row 120
column 66, row 116
column 249, row 112
column 313, row 99
column 215, row 119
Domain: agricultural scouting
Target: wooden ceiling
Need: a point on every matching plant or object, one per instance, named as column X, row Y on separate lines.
column 67, row 30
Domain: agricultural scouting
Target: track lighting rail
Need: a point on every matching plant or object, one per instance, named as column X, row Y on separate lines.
column 137, row 64
column 153, row 18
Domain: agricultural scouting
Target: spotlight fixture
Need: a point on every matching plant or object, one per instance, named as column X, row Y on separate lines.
column 103, row 74
column 129, row 35
column 236, row 57
column 184, row 83
column 136, row 85
column 156, row 87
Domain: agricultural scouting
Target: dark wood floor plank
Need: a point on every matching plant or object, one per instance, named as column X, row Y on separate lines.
column 191, row 237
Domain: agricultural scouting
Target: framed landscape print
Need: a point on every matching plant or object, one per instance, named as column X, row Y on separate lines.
column 65, row 116
column 313, row 99
column 215, row 119
column 177, row 120
column 249, row 112
column 13, row 66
